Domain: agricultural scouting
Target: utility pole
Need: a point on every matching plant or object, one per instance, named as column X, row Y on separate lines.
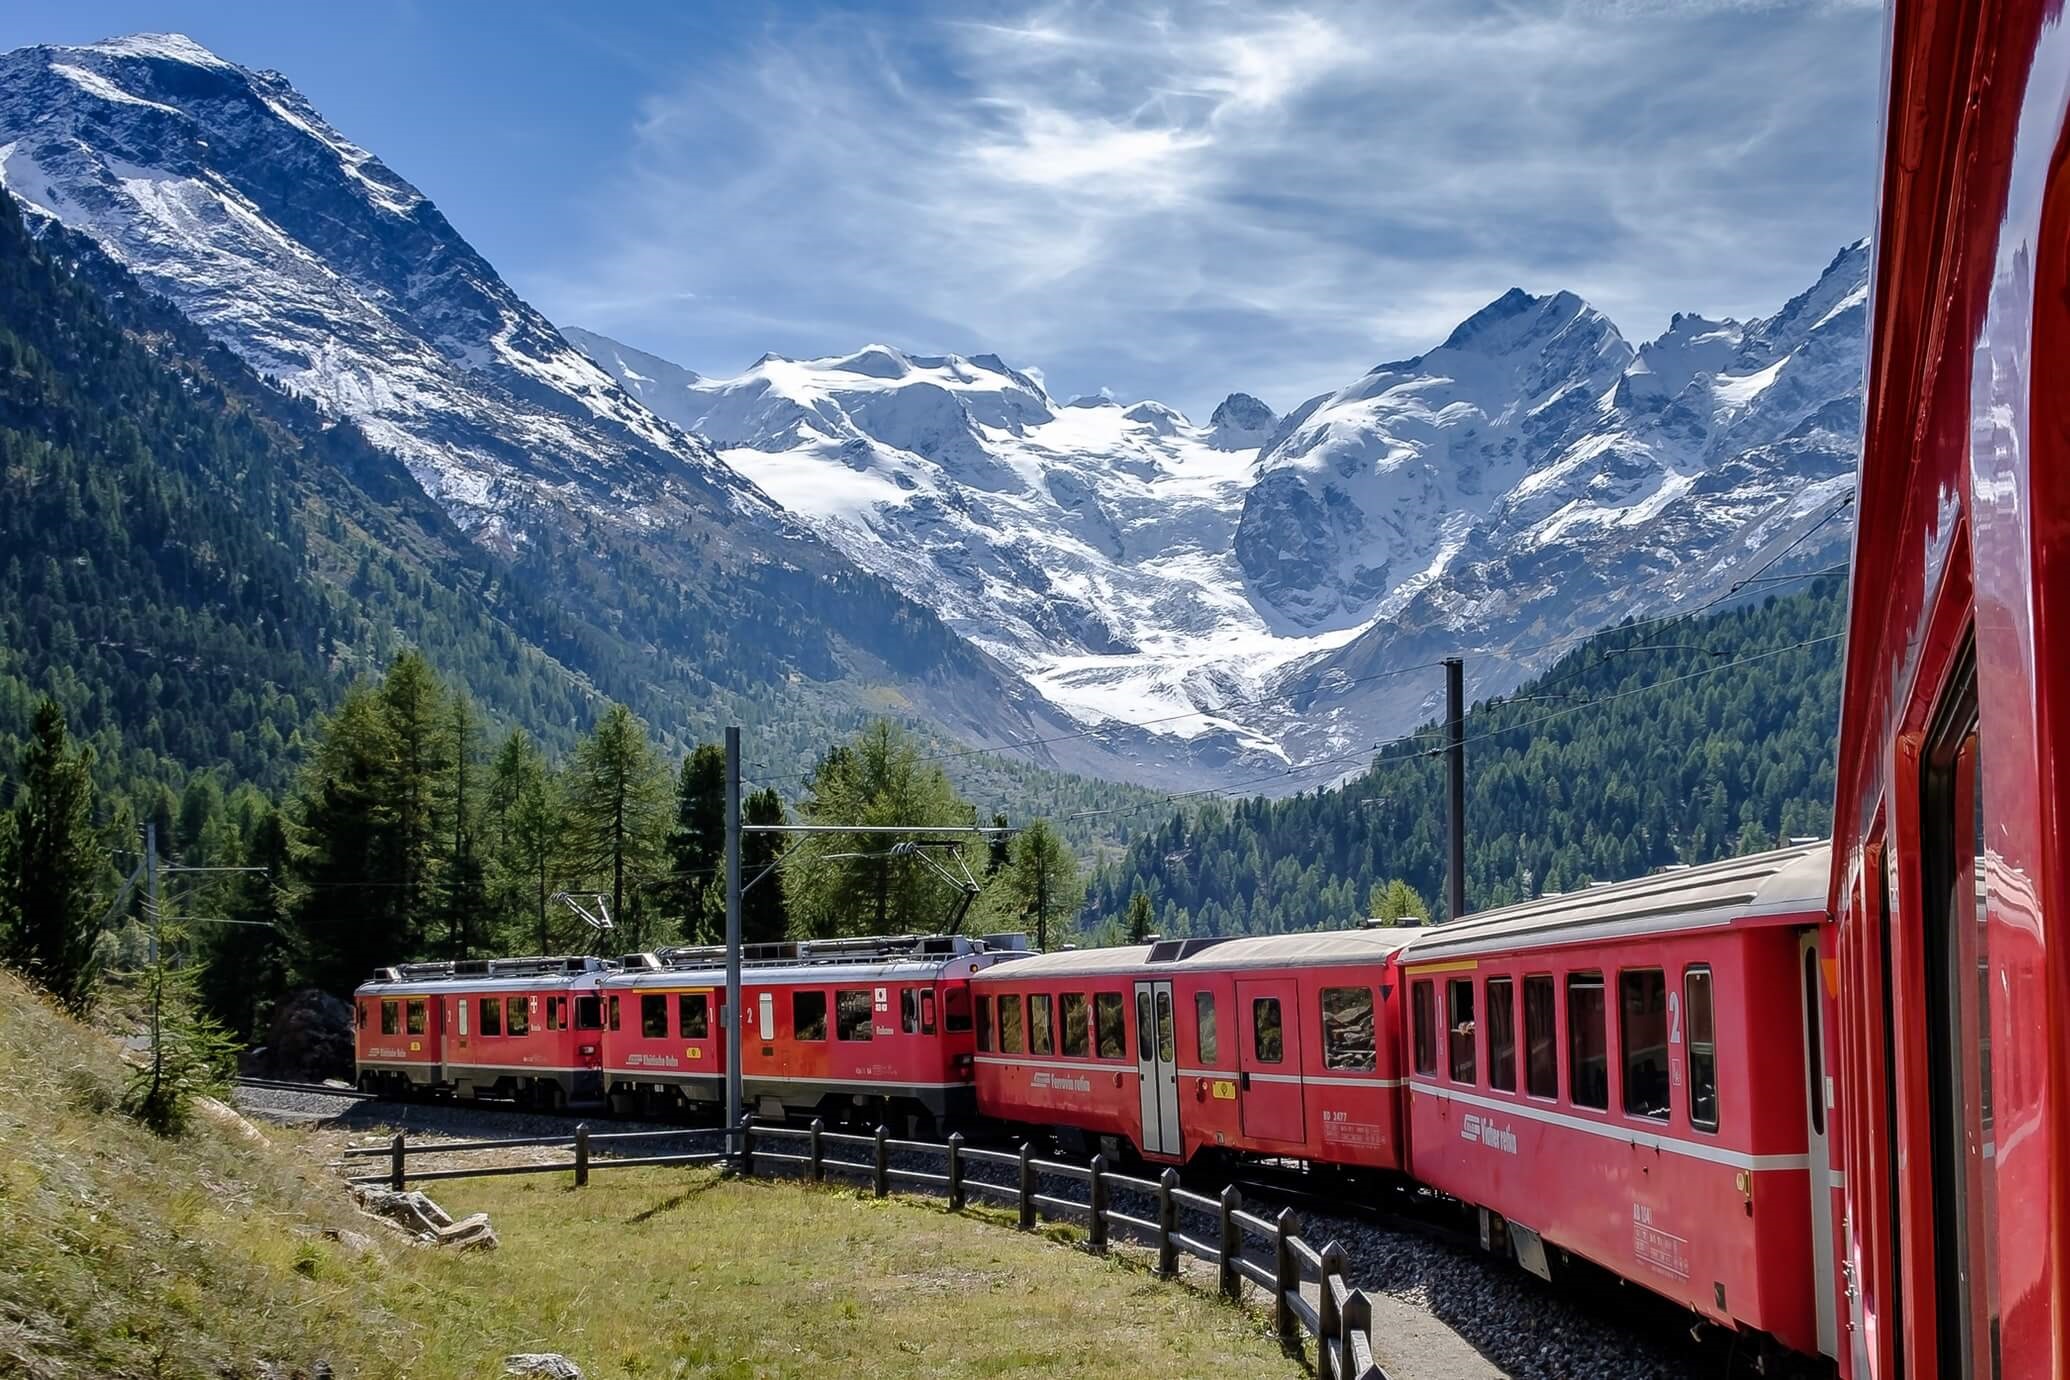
column 1042, row 904
column 1455, row 780
column 732, row 1009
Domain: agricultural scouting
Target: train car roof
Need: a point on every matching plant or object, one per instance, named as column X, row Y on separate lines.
column 1755, row 888
column 928, row 967
column 1312, row 948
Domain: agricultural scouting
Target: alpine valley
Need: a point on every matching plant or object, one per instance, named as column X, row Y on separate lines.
column 1250, row 601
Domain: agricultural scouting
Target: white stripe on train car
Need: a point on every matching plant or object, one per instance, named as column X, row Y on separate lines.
column 1694, row 1149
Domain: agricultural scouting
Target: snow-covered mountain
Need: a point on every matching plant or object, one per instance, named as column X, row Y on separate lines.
column 1247, row 586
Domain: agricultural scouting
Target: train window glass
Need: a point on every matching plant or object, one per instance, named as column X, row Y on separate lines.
column 1541, row 1038
column 927, row 1011
column 852, row 1014
column 1109, row 1025
column 1502, row 1033
column 614, row 1011
column 415, row 1019
column 1460, row 1030
column 492, row 1015
column 1423, row 1010
column 1699, row 1031
column 984, row 1024
column 653, row 1016
column 956, row 1009
column 1588, row 1042
column 1204, row 1027
column 553, row 1012
column 1075, row 1016
column 1040, row 1039
column 1010, row 1041
column 361, row 1019
column 1268, row 1035
column 1167, row 1048
column 391, row 1018
column 589, row 1013
column 809, row 1016
column 460, row 1013
column 1347, row 1015
column 518, row 1017
column 694, row 1015
column 909, row 1010
column 1642, row 1036
column 1145, row 1038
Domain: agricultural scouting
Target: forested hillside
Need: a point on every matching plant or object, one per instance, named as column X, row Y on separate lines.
column 1639, row 748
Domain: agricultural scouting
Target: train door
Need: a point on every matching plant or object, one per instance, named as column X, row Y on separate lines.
column 1157, row 1070
column 1818, row 1103
column 1269, row 1061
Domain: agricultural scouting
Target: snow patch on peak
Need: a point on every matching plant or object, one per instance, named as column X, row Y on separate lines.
column 171, row 47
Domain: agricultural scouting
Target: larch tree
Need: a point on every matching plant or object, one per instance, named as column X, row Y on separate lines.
column 617, row 814
column 49, row 874
column 697, row 840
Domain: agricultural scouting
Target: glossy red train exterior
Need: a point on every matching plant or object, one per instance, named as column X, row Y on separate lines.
column 1282, row 1045
column 1953, row 789
column 1635, row 1074
column 523, row 1028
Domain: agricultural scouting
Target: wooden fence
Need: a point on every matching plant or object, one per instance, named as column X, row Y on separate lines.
column 1339, row 1319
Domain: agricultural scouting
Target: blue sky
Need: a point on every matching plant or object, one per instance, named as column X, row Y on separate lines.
column 1171, row 202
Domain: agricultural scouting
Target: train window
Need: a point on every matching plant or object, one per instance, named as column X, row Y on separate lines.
column 1204, row 1027
column 391, row 1018
column 1268, row 1035
column 653, row 1016
column 1145, row 1038
column 1347, row 1014
column 809, row 1016
column 852, row 1014
column 553, row 1012
column 1502, row 1033
column 492, row 1015
column 1010, row 1041
column 1423, row 1009
column 927, row 1011
column 1541, row 1038
column 693, row 1015
column 1167, row 1047
column 360, row 1020
column 1109, row 1026
column 518, row 1016
column 1588, row 1042
column 984, row 1024
column 909, row 1010
column 956, row 1009
column 589, row 1012
column 1075, row 1017
column 1460, row 1032
column 1698, row 1031
column 1642, row 1035
column 1040, row 1040
column 415, row 1018
column 614, row 1011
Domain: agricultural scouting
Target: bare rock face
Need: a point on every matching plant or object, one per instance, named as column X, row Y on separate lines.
column 551, row 1364
column 426, row 1221
column 310, row 1038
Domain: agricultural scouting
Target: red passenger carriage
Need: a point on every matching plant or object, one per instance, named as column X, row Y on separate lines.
column 872, row 1029
column 1280, row 1045
column 523, row 1028
column 1951, row 879
column 1634, row 1074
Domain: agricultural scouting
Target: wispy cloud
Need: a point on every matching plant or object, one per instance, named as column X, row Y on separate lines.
column 1188, row 200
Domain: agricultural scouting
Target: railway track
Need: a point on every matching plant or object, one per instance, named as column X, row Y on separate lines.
column 309, row 1089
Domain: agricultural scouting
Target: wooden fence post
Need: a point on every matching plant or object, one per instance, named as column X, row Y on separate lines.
column 819, row 1164
column 581, row 1154
column 1232, row 1245
column 881, row 1165
column 395, row 1162
column 1097, row 1194
column 1027, row 1188
column 955, row 1171
column 1357, row 1318
column 1286, row 1274
column 1167, row 1223
column 747, row 1145
column 1329, row 1331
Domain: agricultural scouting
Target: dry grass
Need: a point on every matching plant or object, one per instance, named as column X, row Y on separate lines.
column 122, row 1255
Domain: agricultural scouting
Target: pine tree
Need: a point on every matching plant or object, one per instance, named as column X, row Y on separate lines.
column 1042, row 879
column 1140, row 919
column 244, row 963
column 191, row 1055
column 413, row 701
column 49, row 874
column 464, row 890
column 763, row 918
column 697, row 839
column 617, row 811
column 525, row 803
column 352, row 916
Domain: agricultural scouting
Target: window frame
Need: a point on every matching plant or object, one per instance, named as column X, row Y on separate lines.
column 417, row 1016
column 517, row 1016
column 1074, row 1013
column 593, row 1003
column 1548, row 986
column 1207, row 1032
column 1502, row 1034
column 802, row 1026
column 488, row 1022
column 1015, row 1041
column 392, row 1015
column 1279, row 1030
column 1456, row 1043
column 1042, row 1031
column 1347, row 1058
column 703, row 1014
column 984, row 1023
column 1582, row 981
column 845, row 1007
column 654, row 1015
column 1110, row 1016
column 1626, row 1025
column 1423, row 1027
column 1690, row 973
